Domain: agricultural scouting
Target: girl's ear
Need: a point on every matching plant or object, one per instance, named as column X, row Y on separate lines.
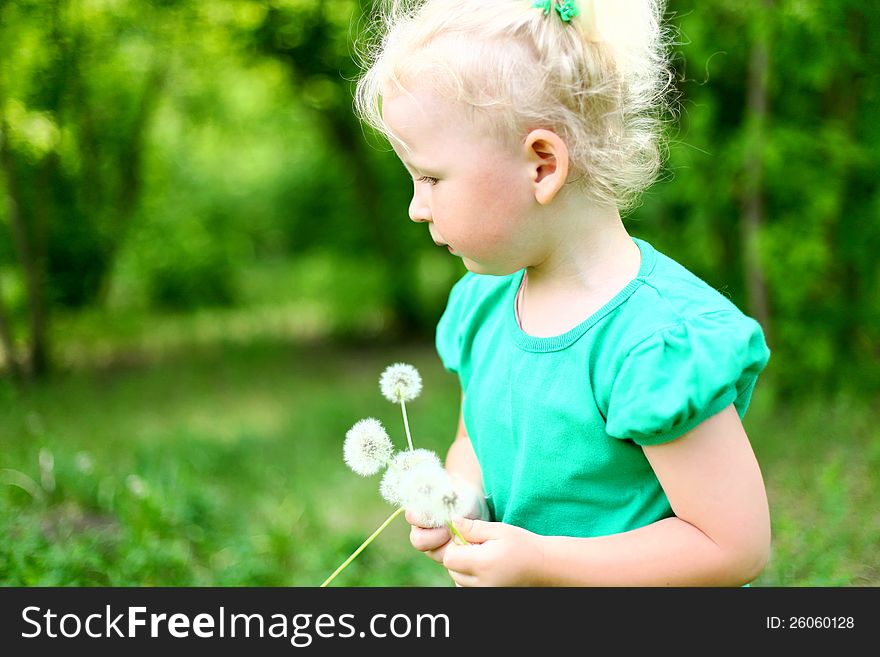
column 547, row 157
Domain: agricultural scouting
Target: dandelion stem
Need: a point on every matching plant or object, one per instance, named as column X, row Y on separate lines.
column 406, row 424
column 362, row 547
column 457, row 533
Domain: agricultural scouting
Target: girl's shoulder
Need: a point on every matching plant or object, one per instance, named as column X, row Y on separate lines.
column 670, row 295
column 678, row 352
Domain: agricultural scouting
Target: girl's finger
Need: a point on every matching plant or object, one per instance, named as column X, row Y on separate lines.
column 460, row 558
column 437, row 555
column 413, row 519
column 463, row 579
column 428, row 539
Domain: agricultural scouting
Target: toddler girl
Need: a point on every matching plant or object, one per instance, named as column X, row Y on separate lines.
column 603, row 384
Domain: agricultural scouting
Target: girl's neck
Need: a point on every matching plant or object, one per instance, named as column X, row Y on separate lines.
column 588, row 262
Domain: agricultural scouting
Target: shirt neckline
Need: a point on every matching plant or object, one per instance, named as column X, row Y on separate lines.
column 564, row 340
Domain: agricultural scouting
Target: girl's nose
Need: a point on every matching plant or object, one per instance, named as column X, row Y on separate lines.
column 419, row 210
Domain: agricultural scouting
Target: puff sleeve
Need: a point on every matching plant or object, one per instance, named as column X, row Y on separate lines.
column 683, row 374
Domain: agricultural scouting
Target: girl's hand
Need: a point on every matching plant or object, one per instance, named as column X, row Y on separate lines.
column 431, row 541
column 499, row 555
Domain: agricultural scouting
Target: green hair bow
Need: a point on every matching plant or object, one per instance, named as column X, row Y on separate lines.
column 565, row 8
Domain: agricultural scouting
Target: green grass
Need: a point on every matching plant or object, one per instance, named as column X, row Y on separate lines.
column 221, row 465
column 820, row 459
column 224, row 468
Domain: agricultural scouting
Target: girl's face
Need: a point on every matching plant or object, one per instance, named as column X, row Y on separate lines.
column 475, row 194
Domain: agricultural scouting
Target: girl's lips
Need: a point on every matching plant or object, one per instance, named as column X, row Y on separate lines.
column 451, row 250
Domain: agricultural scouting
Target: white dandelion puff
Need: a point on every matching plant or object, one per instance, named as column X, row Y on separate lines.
column 400, row 383
column 367, row 448
column 429, row 492
column 414, row 477
column 402, row 463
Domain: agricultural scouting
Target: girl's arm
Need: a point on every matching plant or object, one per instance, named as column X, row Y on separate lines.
column 719, row 537
column 461, row 460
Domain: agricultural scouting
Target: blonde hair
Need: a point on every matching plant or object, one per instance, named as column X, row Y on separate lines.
column 599, row 81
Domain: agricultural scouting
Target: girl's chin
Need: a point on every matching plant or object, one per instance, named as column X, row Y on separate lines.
column 477, row 268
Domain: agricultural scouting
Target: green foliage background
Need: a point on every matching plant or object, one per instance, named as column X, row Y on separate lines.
column 198, row 202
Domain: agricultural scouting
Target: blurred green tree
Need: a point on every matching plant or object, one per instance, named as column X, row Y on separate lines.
column 314, row 40
column 78, row 84
column 187, row 140
column 772, row 189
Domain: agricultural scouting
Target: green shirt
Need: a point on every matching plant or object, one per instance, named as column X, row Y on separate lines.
column 558, row 423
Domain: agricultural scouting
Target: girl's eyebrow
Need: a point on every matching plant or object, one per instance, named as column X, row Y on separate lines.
column 413, row 167
column 410, row 166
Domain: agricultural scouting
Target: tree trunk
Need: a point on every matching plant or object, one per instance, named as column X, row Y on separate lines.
column 6, row 338
column 28, row 259
column 7, row 342
column 753, row 196
column 43, row 208
column 843, row 105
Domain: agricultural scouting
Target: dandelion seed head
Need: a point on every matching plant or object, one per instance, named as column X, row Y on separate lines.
column 389, row 487
column 428, row 491
column 400, row 382
column 367, row 447
column 402, row 463
column 408, row 459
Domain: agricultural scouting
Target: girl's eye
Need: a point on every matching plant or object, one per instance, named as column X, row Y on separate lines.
column 428, row 179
